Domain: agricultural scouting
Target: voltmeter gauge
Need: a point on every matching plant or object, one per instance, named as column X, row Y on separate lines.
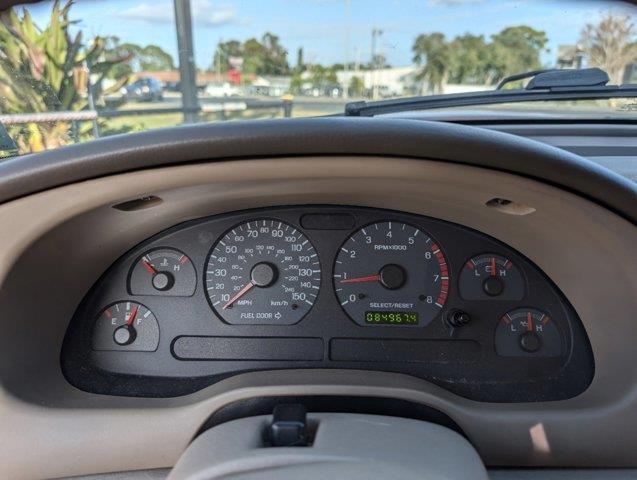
column 126, row 326
column 163, row 271
column 491, row 277
column 528, row 332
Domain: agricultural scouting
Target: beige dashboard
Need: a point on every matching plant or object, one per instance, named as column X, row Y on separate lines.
column 56, row 243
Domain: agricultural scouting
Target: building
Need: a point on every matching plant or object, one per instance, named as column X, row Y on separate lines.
column 569, row 56
column 270, row 85
column 387, row 82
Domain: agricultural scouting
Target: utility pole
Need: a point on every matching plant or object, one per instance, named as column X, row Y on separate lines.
column 187, row 71
column 376, row 33
column 218, row 58
column 346, row 63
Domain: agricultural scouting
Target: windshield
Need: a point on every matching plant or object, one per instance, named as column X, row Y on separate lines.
column 75, row 71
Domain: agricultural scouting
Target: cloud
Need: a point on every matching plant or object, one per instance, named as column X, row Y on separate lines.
column 204, row 13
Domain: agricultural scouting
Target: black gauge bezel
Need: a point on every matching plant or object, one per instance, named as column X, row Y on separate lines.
column 423, row 231
column 154, row 249
column 477, row 374
column 204, row 269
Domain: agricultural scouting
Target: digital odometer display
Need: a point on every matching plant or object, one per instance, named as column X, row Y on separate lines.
column 263, row 272
column 391, row 318
column 391, row 268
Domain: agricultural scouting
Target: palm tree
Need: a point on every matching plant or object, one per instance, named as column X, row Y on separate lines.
column 44, row 70
column 434, row 54
column 610, row 44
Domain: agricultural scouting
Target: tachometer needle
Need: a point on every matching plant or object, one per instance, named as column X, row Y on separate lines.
column 131, row 317
column 239, row 294
column 369, row 278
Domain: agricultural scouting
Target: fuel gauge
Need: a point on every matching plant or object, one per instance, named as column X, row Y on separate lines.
column 163, row 271
column 489, row 276
column 527, row 332
column 126, row 326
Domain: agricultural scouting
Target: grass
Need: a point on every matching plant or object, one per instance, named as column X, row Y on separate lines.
column 137, row 123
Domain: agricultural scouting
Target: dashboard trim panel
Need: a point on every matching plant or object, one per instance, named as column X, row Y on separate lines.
column 432, row 351
column 38, row 402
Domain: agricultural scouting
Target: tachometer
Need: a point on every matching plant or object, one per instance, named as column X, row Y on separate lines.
column 263, row 272
column 391, row 273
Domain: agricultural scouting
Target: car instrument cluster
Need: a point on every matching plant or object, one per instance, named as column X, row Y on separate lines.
column 327, row 287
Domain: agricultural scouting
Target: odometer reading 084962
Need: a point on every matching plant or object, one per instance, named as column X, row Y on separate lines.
column 391, row 273
column 263, row 272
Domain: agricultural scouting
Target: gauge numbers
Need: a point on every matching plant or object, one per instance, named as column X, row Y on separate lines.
column 263, row 272
column 391, row 273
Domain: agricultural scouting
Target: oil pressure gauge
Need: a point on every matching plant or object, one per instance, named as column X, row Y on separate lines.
column 527, row 332
column 491, row 277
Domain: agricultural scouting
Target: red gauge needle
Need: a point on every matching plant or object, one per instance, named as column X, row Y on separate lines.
column 239, row 294
column 493, row 271
column 369, row 278
column 149, row 267
column 131, row 317
column 529, row 321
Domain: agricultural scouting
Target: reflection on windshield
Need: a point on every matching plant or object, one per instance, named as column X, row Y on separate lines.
column 75, row 71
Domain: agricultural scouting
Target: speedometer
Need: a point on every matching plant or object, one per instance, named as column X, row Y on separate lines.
column 263, row 272
column 391, row 273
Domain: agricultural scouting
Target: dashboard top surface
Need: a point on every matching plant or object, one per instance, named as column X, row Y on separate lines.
column 319, row 136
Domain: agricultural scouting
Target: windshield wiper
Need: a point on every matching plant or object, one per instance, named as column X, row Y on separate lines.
column 567, row 84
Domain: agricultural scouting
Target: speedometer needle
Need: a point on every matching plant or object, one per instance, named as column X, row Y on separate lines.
column 239, row 294
column 369, row 278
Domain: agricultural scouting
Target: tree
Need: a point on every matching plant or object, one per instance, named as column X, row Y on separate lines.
column 275, row 61
column 224, row 51
column 516, row 50
column 471, row 59
column 114, row 50
column 300, row 64
column 262, row 57
column 153, row 58
column 322, row 77
column 150, row 58
column 610, row 44
column 433, row 52
column 43, row 70
column 356, row 87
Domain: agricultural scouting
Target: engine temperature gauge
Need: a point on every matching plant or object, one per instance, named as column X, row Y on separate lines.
column 126, row 326
column 163, row 271
column 527, row 332
column 489, row 276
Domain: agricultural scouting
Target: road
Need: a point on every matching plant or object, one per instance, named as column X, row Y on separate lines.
column 302, row 105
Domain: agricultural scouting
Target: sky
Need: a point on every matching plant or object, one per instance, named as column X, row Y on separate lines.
column 332, row 31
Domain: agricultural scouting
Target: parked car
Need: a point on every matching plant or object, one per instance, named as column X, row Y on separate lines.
column 222, row 90
column 144, row 89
